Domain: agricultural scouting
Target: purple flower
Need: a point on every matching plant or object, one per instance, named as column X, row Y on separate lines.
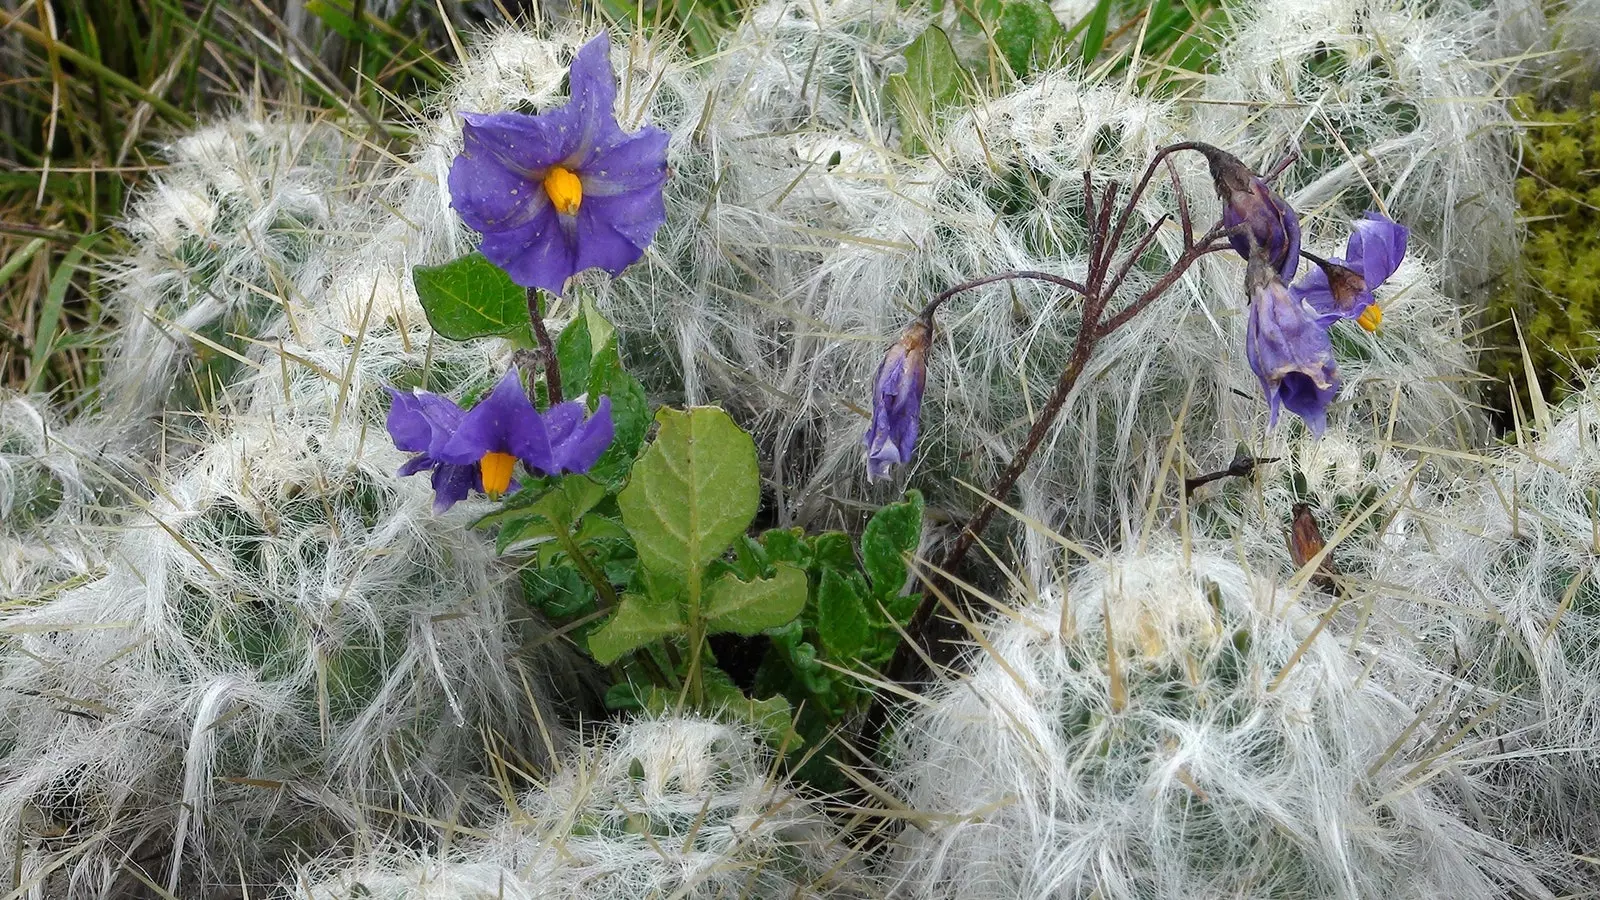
column 1288, row 347
column 1246, row 200
column 897, row 400
column 566, row 190
column 476, row 450
column 1342, row 288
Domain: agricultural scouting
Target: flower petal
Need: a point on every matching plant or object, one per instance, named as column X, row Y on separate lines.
column 581, row 444
column 540, row 254
column 594, row 99
column 1377, row 245
column 408, row 427
column 635, row 162
column 500, row 423
column 613, row 232
column 452, row 484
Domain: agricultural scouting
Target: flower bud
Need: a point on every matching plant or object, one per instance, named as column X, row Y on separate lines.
column 897, row 400
column 1246, row 200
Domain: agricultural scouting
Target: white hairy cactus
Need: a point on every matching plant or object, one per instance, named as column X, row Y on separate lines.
column 1216, row 739
column 1510, row 563
column 657, row 807
column 285, row 640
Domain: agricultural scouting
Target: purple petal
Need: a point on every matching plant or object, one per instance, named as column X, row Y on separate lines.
column 1289, row 349
column 452, row 484
column 540, row 254
column 581, row 446
column 1377, row 245
column 594, row 98
column 608, row 235
column 419, row 463
column 500, row 423
column 408, row 427
column 634, row 163
column 489, row 196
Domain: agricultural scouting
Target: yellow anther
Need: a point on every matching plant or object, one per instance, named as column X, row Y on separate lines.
column 1370, row 318
column 496, row 469
column 565, row 190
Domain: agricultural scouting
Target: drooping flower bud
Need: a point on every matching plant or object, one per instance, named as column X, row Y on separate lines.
column 897, row 400
column 1288, row 347
column 1248, row 201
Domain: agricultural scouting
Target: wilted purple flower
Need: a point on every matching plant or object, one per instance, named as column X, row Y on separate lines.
column 897, row 400
column 1246, row 200
column 477, row 449
column 1342, row 288
column 1288, row 347
column 566, row 190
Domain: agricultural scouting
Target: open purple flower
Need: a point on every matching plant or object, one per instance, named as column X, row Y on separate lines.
column 1288, row 347
column 566, row 190
column 1247, row 200
column 897, row 400
column 1342, row 289
column 477, row 449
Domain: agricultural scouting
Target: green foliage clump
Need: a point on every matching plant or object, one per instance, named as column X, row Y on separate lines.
column 1556, row 295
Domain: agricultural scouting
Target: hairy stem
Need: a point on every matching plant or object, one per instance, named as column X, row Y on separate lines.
column 547, row 348
column 936, row 302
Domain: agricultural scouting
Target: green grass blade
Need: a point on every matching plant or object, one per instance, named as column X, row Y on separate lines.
column 1094, row 33
column 44, row 336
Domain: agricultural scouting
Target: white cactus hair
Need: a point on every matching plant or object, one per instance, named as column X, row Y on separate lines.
column 654, row 807
column 1394, row 106
column 1509, row 559
column 1222, row 742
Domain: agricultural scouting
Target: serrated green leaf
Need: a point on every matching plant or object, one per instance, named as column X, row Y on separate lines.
column 638, row 620
column 893, row 533
column 930, row 86
column 748, row 607
column 842, row 621
column 695, row 489
column 470, row 298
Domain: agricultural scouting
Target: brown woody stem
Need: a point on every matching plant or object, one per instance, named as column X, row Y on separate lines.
column 547, row 348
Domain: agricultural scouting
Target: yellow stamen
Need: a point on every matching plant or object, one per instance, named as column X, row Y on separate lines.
column 565, row 190
column 496, row 473
column 1370, row 318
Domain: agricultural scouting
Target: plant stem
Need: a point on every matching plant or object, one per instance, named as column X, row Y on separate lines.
column 547, row 349
column 602, row 585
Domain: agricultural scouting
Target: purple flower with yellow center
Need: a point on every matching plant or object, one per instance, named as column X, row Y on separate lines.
column 1288, row 347
column 897, row 400
column 1247, row 200
column 476, row 450
column 566, row 190
column 1342, row 288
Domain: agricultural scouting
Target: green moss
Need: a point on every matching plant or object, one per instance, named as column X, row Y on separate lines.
column 1556, row 295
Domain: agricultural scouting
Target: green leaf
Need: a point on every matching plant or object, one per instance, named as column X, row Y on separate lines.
column 471, row 297
column 639, row 619
column 893, row 534
column 693, row 491
column 1027, row 33
column 772, row 717
column 574, row 352
column 833, row 548
column 559, row 592
column 748, row 607
column 787, row 545
column 842, row 621
column 929, row 87
column 600, row 528
column 572, row 497
column 630, row 416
